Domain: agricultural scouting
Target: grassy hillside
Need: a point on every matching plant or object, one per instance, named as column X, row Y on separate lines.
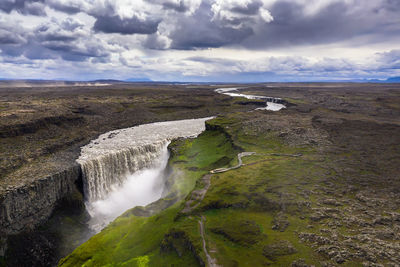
column 291, row 204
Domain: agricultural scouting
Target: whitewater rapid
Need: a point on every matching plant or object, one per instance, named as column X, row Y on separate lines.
column 125, row 168
column 272, row 103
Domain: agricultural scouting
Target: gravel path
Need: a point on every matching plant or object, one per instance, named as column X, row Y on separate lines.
column 211, row 262
column 240, row 163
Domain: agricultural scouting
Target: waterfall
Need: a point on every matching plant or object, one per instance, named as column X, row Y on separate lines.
column 104, row 173
column 142, row 187
column 118, row 162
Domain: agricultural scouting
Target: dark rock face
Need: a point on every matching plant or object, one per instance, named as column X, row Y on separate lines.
column 31, row 249
column 23, row 208
column 36, row 125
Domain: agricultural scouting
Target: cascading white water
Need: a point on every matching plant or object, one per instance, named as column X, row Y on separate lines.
column 122, row 169
column 110, row 170
column 138, row 189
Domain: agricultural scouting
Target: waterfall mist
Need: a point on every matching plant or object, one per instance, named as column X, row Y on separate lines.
column 138, row 189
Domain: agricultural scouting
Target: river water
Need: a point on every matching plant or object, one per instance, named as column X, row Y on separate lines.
column 272, row 103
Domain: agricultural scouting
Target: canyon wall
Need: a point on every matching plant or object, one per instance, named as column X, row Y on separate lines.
column 25, row 207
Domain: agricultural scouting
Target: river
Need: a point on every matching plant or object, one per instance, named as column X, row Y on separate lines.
column 272, row 103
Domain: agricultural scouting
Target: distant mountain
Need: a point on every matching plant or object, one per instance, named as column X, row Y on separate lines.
column 393, row 80
column 144, row 79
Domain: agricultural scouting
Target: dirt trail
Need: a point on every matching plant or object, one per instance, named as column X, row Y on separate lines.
column 210, row 261
column 240, row 163
column 199, row 194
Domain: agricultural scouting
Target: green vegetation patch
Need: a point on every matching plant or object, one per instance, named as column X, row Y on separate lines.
column 278, row 248
column 242, row 232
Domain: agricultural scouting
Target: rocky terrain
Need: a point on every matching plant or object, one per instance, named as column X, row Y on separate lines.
column 321, row 190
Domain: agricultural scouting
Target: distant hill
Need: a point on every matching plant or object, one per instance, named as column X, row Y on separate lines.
column 393, row 80
column 144, row 79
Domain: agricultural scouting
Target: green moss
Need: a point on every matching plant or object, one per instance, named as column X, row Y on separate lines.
column 211, row 149
column 278, row 248
column 242, row 232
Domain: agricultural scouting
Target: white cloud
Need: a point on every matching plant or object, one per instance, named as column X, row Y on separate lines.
column 240, row 13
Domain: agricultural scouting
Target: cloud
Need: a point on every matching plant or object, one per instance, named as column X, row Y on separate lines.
column 10, row 36
column 202, row 38
column 133, row 25
column 157, row 42
column 68, row 40
column 64, row 39
column 296, row 24
column 236, row 13
column 216, row 25
column 27, row 7
column 181, row 6
column 71, row 24
column 391, row 5
column 67, row 6
column 390, row 59
column 177, row 6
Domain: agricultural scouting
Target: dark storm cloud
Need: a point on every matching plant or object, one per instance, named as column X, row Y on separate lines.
column 201, row 31
column 115, row 24
column 64, row 39
column 27, row 7
column 337, row 21
column 11, row 34
column 82, row 54
column 8, row 37
column 156, row 42
column 50, row 41
column 207, row 36
column 292, row 25
column 393, row 5
column 66, row 8
column 181, row 7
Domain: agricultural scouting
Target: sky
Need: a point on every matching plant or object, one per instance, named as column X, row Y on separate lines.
column 200, row 40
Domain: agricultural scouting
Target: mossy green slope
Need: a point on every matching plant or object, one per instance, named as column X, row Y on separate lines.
column 253, row 216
